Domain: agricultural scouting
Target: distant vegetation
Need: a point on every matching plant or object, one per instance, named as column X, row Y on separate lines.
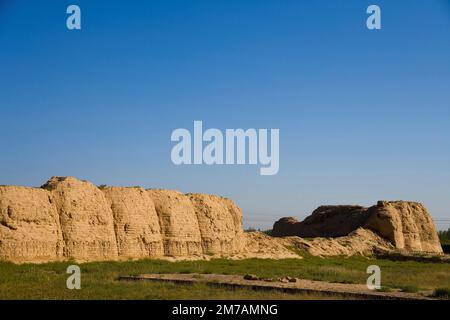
column 251, row 229
column 444, row 236
column 443, row 293
column 105, row 186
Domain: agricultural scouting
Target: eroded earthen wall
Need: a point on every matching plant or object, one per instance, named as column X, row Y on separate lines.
column 29, row 225
column 136, row 223
column 86, row 219
column 220, row 223
column 179, row 225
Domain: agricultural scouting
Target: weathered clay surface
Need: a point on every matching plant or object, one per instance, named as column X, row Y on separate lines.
column 262, row 246
column 29, row 225
column 136, row 223
column 236, row 215
column 361, row 241
column 70, row 218
column 179, row 225
column 86, row 219
column 220, row 223
column 325, row 221
column 407, row 225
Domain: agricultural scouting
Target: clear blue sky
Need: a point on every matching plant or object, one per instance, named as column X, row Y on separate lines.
column 363, row 115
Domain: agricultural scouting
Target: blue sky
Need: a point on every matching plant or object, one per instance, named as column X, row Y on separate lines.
column 363, row 115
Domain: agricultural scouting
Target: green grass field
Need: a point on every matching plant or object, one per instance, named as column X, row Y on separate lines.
column 99, row 279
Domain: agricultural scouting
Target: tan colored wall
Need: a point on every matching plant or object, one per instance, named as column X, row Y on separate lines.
column 29, row 225
column 220, row 223
column 86, row 219
column 70, row 218
column 178, row 221
column 408, row 225
column 136, row 223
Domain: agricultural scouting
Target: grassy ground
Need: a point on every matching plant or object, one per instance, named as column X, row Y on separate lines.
column 99, row 279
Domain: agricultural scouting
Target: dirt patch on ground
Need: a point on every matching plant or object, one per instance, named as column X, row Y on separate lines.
column 293, row 285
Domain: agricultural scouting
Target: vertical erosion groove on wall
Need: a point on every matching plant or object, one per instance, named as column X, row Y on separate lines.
column 220, row 223
column 86, row 219
column 179, row 226
column 136, row 223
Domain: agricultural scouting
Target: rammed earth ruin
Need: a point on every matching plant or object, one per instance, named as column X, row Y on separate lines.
column 68, row 218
